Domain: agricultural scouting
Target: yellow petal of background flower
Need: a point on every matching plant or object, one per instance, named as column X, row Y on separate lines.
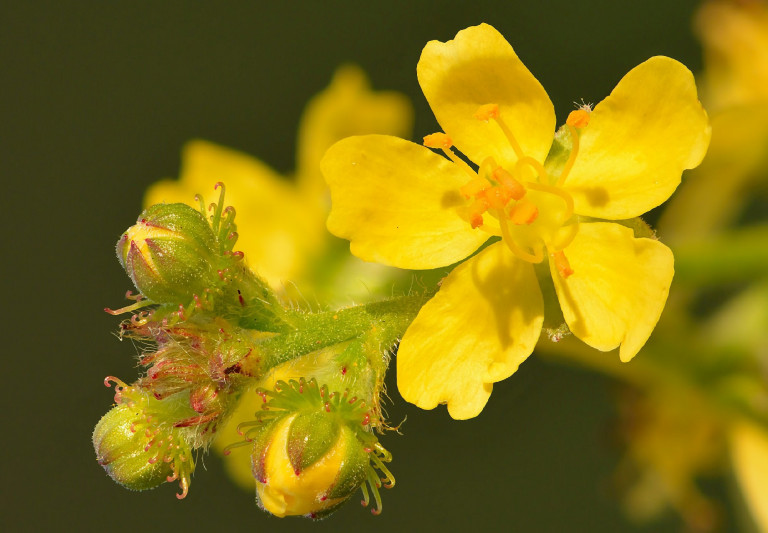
column 734, row 36
column 618, row 287
column 638, row 142
column 480, row 67
column 717, row 192
column 347, row 107
column 749, row 452
column 395, row 202
column 278, row 229
column 479, row 327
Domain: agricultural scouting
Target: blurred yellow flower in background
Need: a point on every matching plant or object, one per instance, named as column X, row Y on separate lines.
column 734, row 36
column 735, row 39
column 403, row 205
column 281, row 220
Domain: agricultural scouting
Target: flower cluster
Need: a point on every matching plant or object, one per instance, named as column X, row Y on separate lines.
column 215, row 331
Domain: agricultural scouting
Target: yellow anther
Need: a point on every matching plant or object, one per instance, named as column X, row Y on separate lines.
column 487, row 112
column 562, row 264
column 475, row 220
column 473, row 213
column 523, row 213
column 438, row 140
column 578, row 118
column 474, row 187
column 509, row 183
column 496, row 197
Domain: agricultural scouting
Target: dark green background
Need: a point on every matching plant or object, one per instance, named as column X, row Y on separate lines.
column 97, row 100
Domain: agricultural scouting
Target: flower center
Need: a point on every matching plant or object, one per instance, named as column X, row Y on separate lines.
column 523, row 205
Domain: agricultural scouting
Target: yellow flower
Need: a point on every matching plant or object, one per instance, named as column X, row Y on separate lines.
column 281, row 222
column 403, row 205
column 735, row 40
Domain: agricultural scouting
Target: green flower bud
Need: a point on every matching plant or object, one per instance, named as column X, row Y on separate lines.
column 170, row 253
column 136, row 449
column 314, row 451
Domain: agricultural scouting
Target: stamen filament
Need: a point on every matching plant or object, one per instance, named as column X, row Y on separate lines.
column 557, row 192
column 562, row 264
column 491, row 111
column 536, row 257
column 443, row 142
column 573, row 231
column 538, row 167
column 510, row 137
column 456, row 159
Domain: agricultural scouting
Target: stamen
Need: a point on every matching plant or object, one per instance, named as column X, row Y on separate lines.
column 474, row 187
column 523, row 213
column 562, row 264
column 578, row 118
column 438, row 140
column 491, row 111
column 443, row 142
column 536, row 257
column 473, row 213
column 496, row 197
column 487, row 112
column 510, row 184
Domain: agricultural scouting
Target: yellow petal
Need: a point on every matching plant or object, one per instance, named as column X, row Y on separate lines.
column 749, row 452
column 395, row 201
column 476, row 68
column 347, row 107
column 618, row 287
column 278, row 230
column 638, row 142
column 481, row 325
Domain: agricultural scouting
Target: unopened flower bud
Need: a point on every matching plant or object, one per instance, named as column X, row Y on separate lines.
column 312, row 464
column 169, row 253
column 316, row 452
column 139, row 452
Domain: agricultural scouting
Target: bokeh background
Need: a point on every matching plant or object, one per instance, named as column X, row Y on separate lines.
column 98, row 99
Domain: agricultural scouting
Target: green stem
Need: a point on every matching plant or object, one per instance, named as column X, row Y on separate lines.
column 388, row 320
column 739, row 255
column 660, row 365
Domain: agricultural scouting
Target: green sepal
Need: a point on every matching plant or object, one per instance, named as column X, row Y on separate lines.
column 554, row 326
column 262, row 437
column 121, row 451
column 310, row 437
column 354, row 469
column 558, row 154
